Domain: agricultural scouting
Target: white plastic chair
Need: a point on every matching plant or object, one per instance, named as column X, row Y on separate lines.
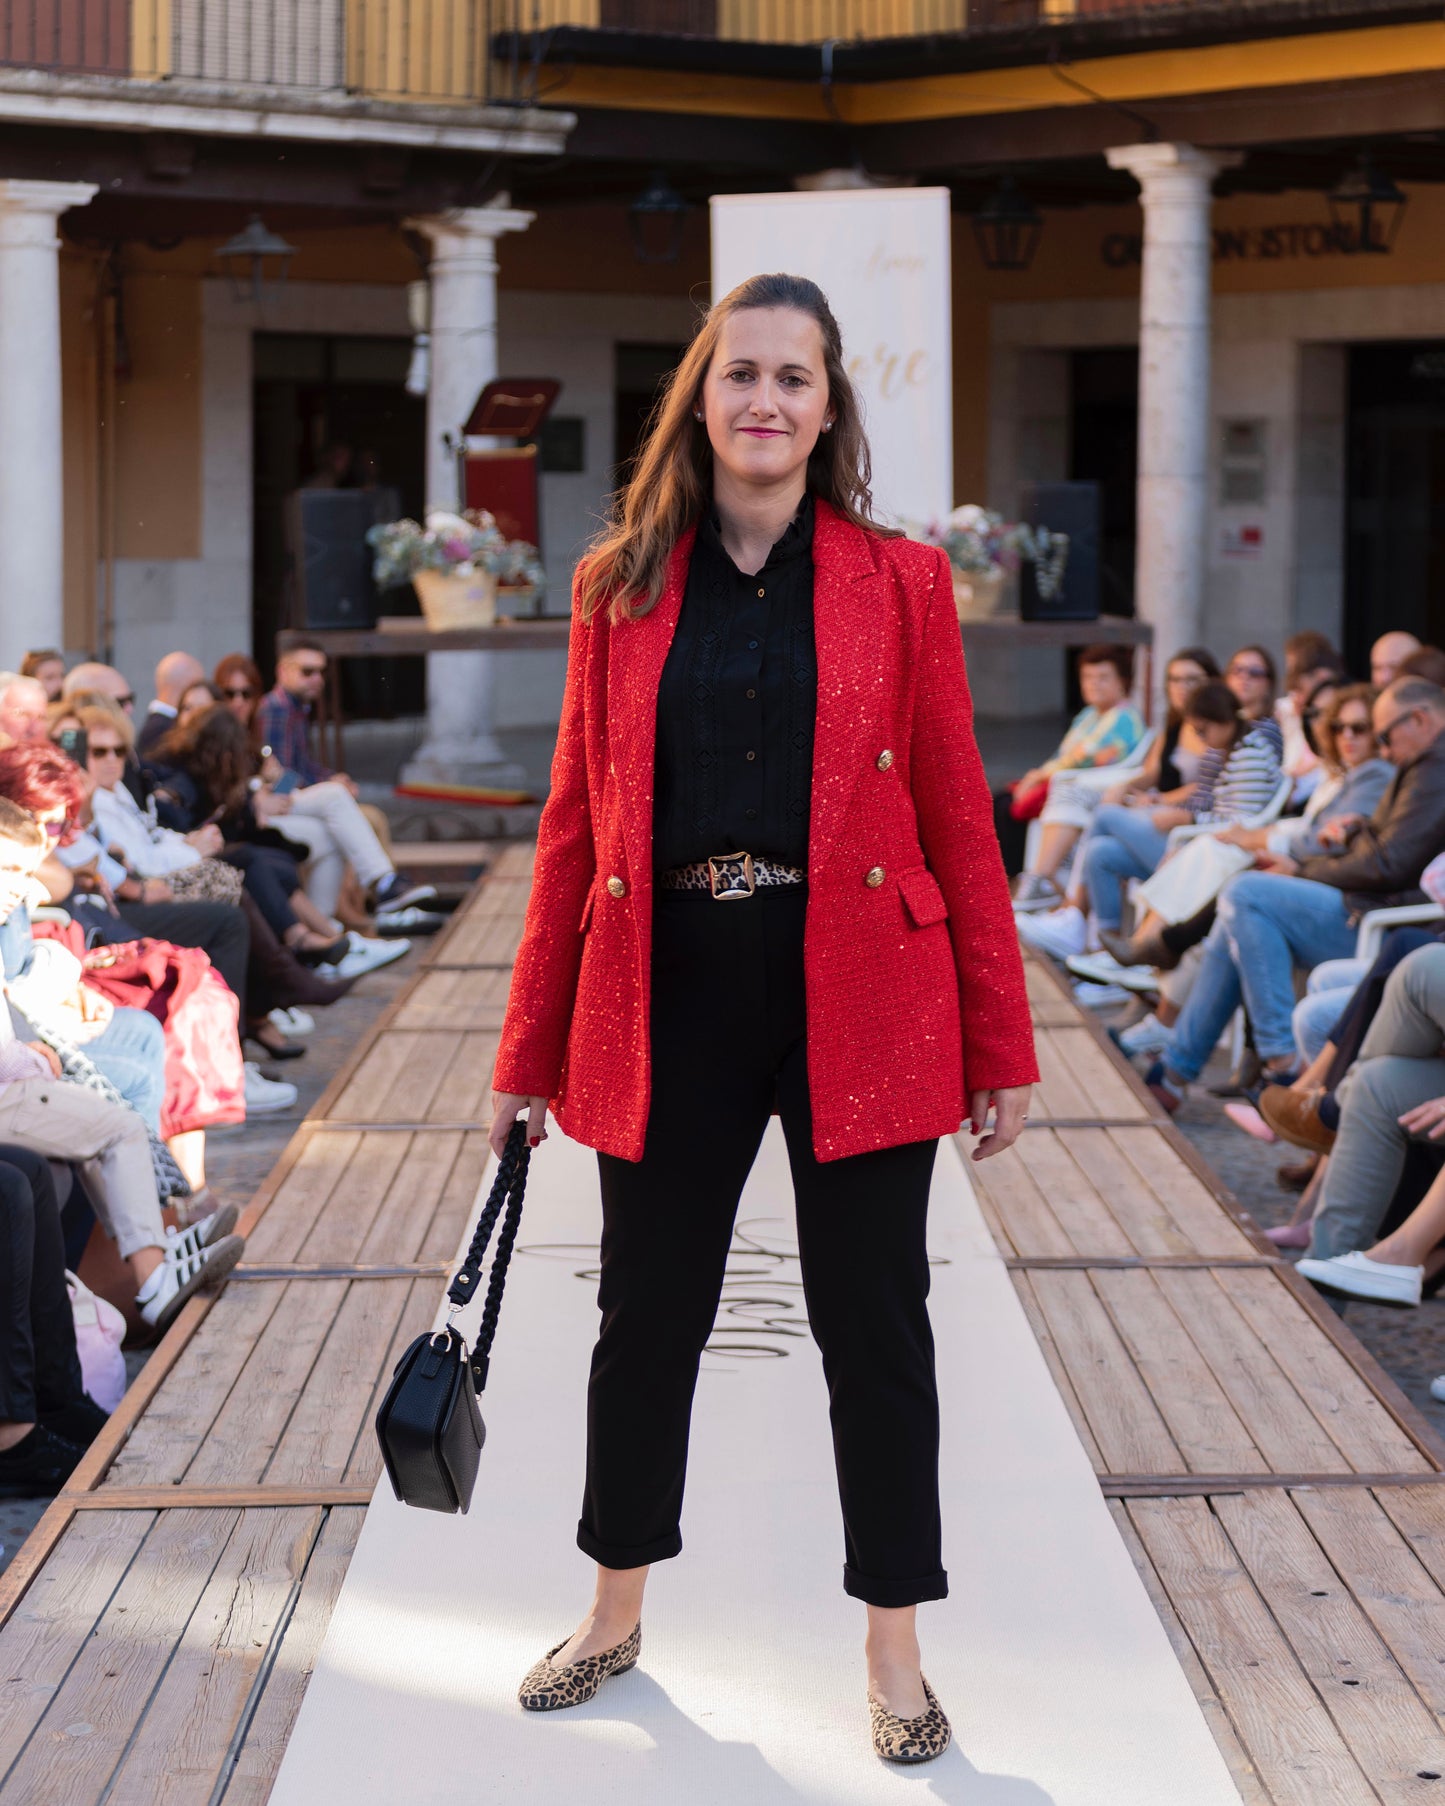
column 1376, row 923
column 1095, row 778
column 1265, row 818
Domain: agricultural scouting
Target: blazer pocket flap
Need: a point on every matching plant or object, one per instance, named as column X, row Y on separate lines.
column 922, row 896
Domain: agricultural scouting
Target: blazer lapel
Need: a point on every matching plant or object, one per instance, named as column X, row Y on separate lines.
column 636, row 653
column 849, row 607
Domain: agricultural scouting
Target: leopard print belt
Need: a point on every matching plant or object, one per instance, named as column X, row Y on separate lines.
column 729, row 875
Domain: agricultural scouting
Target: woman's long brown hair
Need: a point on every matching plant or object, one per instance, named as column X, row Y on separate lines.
column 625, row 567
column 214, row 749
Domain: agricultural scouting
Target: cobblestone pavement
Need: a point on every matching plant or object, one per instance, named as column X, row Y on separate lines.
column 239, row 1158
column 1409, row 1345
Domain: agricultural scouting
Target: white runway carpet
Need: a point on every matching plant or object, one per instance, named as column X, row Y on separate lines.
column 1048, row 1656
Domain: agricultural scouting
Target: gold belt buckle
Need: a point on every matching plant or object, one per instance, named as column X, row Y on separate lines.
column 734, row 872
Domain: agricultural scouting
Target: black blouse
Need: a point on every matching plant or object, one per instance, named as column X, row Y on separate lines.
column 736, row 706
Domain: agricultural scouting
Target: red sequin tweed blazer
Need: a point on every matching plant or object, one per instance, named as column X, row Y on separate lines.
column 914, row 985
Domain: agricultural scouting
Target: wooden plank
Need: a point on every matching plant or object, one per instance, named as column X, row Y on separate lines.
column 484, row 940
column 1280, row 1720
column 1388, row 1581
column 116, row 1669
column 474, row 997
column 397, row 1078
column 321, row 1163
column 1072, row 1197
column 464, row 1090
column 1044, row 1337
column 244, row 1433
column 1283, row 1426
column 330, row 1415
column 1050, row 1005
column 1201, row 1418
column 1058, row 1092
column 1018, row 1206
column 342, row 1226
column 1242, row 1771
column 265, row 1736
column 1200, row 1486
column 424, row 1269
column 1197, row 1214
column 197, row 1710
column 213, row 1498
column 440, row 1236
column 167, row 1438
column 1126, row 1423
column 1128, row 1263
column 1096, row 1074
column 1358, row 1423
column 1144, row 1220
column 65, row 1600
column 1389, row 1729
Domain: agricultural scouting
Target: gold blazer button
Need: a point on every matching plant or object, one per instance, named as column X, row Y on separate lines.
column 616, row 888
column 885, row 759
column 874, row 878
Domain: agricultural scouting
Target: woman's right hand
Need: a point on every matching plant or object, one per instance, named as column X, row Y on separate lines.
column 507, row 1106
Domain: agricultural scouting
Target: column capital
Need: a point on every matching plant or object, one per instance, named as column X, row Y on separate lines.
column 29, row 210
column 1170, row 166
column 466, row 229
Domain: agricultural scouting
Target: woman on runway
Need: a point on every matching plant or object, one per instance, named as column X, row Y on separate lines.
column 766, row 880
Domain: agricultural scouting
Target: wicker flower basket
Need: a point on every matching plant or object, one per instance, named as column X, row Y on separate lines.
column 979, row 595
column 450, row 600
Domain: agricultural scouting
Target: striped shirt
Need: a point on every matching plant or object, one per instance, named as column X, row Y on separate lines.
column 1234, row 787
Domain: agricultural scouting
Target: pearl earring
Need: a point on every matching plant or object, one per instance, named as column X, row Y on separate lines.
column 696, row 415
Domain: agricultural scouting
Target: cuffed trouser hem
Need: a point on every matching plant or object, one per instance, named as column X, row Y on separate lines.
column 894, row 1593
column 629, row 1555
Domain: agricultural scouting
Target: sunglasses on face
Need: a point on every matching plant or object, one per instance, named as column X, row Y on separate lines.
column 1387, row 733
column 106, row 752
column 311, row 670
column 1247, row 671
column 242, row 695
column 1355, row 729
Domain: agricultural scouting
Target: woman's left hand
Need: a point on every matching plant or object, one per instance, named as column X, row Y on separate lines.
column 1010, row 1107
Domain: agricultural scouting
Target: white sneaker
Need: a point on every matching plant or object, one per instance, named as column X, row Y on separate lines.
column 205, row 1230
column 367, row 955
column 1104, row 969
column 293, row 1022
column 1437, row 1387
column 1032, row 892
column 1058, row 933
column 1098, row 997
column 1148, row 1038
column 1355, row 1275
column 265, row 1096
column 181, row 1274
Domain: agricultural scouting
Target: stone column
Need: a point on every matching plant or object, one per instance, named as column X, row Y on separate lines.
column 1174, row 411
column 32, row 495
column 460, row 746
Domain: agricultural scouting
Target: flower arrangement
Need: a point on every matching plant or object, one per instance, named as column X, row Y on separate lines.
column 454, row 545
column 982, row 543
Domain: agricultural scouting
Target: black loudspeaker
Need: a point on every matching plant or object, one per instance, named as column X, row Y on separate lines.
column 330, row 559
column 1071, row 508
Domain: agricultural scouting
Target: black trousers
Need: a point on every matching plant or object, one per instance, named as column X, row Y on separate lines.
column 39, row 1368
column 729, row 1046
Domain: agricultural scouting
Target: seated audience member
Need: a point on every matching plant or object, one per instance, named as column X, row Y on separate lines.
column 41, row 1112
column 1238, row 776
column 1388, row 653
column 175, row 674
column 23, row 706
column 1105, row 730
column 1310, row 661
column 321, row 811
column 199, row 697
column 1353, row 779
column 47, row 667
column 105, row 679
column 1303, row 912
column 1394, row 1094
column 1074, row 796
column 47, row 1418
column 1427, row 662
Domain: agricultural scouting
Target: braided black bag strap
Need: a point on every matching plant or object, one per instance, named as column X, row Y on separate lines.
column 508, row 1189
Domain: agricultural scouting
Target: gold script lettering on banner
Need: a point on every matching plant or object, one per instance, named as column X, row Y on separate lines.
column 889, row 372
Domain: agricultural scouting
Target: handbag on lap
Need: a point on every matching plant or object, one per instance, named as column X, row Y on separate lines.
column 429, row 1427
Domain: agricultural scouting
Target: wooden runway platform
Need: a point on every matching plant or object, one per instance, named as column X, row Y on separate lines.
column 1280, row 1497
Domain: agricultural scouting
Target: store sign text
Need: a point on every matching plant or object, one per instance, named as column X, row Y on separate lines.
column 1251, row 244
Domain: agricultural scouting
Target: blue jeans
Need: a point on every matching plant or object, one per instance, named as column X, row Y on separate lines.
column 1121, row 844
column 1266, row 926
column 1330, row 988
column 131, row 1052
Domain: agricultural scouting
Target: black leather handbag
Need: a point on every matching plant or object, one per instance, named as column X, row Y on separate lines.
column 430, row 1429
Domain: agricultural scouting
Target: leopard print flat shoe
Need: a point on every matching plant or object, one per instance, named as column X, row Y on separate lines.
column 910, row 1739
column 549, row 1689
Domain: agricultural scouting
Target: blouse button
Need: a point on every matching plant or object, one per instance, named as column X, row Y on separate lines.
column 616, row 887
column 752, row 755
column 874, row 878
column 752, row 645
column 762, row 592
column 751, row 695
column 885, row 759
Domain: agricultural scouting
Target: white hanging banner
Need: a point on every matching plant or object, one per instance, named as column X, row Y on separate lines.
column 882, row 257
